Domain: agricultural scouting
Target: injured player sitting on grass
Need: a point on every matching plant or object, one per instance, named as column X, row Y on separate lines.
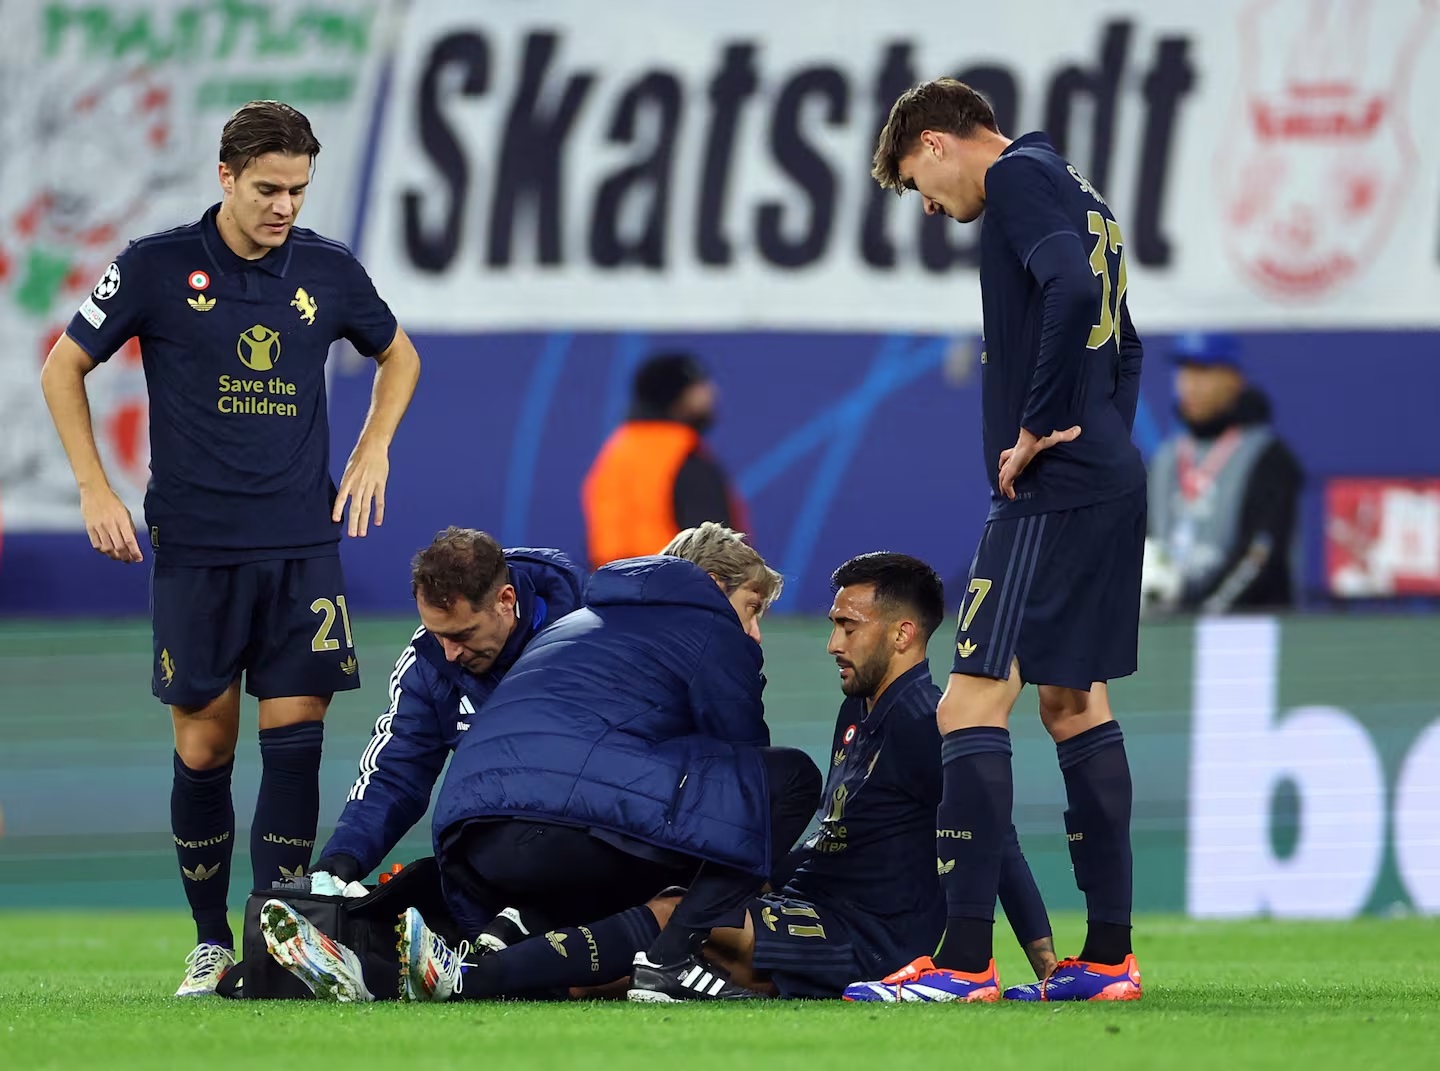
column 861, row 895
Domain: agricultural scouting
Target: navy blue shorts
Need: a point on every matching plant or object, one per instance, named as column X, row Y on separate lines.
column 1060, row 592
column 284, row 624
column 806, row 949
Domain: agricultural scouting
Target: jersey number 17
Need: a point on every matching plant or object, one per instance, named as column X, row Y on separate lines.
column 1107, row 260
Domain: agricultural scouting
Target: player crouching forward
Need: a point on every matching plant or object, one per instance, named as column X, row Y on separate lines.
column 479, row 606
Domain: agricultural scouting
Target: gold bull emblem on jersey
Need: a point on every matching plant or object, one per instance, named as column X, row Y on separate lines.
column 305, row 304
column 259, row 348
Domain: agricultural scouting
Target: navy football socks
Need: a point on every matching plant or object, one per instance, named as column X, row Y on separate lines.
column 580, row 956
column 973, row 831
column 1098, row 789
column 202, row 823
column 1020, row 896
column 288, row 808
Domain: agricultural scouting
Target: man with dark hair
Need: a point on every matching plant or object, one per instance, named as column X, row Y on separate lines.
column 479, row 606
column 861, row 897
column 236, row 314
column 1054, row 591
column 654, row 477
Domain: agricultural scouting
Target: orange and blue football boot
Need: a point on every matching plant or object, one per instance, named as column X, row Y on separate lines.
column 923, row 981
column 1075, row 979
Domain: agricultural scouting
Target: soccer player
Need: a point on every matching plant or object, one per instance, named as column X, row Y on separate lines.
column 479, row 608
column 236, row 314
column 1054, row 589
column 862, row 896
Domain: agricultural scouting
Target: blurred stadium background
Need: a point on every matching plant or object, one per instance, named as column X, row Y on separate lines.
column 547, row 193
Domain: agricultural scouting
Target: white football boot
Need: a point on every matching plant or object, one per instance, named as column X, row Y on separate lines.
column 204, row 967
column 329, row 969
column 430, row 970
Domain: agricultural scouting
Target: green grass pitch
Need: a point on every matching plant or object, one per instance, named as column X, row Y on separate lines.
column 92, row 991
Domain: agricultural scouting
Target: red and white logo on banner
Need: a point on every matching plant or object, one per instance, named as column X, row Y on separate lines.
column 1314, row 169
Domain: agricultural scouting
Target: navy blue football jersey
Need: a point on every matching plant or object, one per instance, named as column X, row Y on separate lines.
column 234, row 354
column 873, row 857
column 1060, row 349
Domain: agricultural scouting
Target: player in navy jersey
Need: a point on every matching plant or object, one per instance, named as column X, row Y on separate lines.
column 236, row 314
column 1054, row 589
column 862, row 896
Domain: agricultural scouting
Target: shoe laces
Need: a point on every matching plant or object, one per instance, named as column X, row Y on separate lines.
column 206, row 958
column 452, row 961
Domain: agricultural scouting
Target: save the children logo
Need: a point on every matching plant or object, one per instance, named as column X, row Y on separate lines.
column 258, row 348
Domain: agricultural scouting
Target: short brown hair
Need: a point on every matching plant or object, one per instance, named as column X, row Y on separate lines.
column 942, row 104
column 265, row 126
column 460, row 563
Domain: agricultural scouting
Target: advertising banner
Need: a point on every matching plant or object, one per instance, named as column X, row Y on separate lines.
column 578, row 165
column 1269, row 777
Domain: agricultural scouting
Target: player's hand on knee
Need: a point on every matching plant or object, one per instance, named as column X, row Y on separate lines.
column 110, row 526
column 363, row 485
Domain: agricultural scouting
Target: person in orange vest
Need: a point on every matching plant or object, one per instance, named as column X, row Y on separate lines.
column 654, row 477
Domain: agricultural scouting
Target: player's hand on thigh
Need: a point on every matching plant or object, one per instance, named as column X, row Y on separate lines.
column 363, row 484
column 109, row 525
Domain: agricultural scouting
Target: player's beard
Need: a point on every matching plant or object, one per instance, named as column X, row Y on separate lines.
column 865, row 677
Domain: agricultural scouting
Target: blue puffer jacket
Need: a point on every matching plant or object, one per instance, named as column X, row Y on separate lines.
column 432, row 704
column 638, row 715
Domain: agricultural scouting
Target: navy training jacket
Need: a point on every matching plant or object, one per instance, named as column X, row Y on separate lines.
column 432, row 704
column 638, row 715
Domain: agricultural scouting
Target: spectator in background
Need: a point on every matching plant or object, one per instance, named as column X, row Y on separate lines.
column 654, row 478
column 1224, row 492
